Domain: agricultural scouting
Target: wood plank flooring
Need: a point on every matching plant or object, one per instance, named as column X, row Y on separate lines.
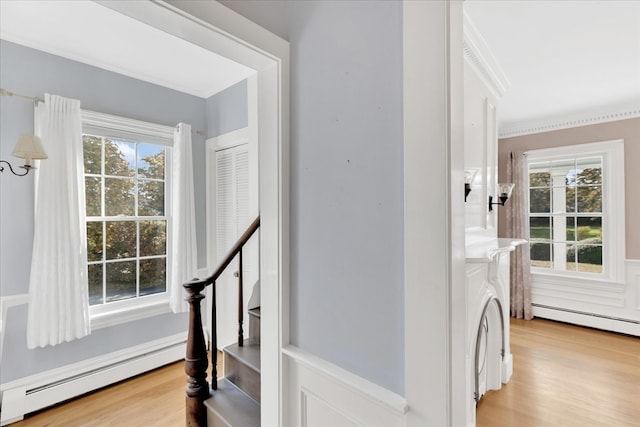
column 154, row 399
column 564, row 376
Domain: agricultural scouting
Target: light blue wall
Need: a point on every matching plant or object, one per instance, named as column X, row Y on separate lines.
column 32, row 72
column 227, row 110
column 347, row 247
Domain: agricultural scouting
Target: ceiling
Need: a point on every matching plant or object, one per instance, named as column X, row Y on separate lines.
column 563, row 59
column 88, row 32
column 560, row 58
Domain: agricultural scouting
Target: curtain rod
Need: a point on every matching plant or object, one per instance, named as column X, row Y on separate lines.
column 4, row 92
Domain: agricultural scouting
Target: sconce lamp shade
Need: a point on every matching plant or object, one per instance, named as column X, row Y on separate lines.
column 504, row 192
column 29, row 147
column 469, row 176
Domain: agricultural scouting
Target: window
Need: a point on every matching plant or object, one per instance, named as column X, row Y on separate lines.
column 575, row 199
column 126, row 197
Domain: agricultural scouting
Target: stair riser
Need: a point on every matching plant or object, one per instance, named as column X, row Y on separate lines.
column 254, row 327
column 246, row 378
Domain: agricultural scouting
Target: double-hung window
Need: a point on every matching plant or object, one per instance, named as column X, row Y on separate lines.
column 576, row 209
column 127, row 179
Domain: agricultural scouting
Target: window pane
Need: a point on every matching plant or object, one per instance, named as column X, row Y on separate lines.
column 571, row 228
column 119, row 158
column 571, row 258
column 121, row 280
column 540, row 200
column 590, row 171
column 150, row 198
column 539, row 175
column 94, row 241
column 590, row 199
column 539, row 228
column 92, row 149
column 119, row 196
column 570, row 196
column 590, row 258
column 151, row 161
column 95, row 284
column 153, row 274
column 590, row 230
column 541, row 255
column 121, row 239
column 153, row 238
column 562, row 168
column 93, row 196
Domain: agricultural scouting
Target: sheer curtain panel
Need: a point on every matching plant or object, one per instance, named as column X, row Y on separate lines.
column 182, row 234
column 518, row 228
column 58, row 303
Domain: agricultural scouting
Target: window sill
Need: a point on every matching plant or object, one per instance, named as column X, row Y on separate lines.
column 120, row 315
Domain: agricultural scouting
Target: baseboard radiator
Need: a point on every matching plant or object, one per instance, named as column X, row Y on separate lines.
column 40, row 391
column 593, row 320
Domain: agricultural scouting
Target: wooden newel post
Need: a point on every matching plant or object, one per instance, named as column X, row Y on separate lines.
column 196, row 359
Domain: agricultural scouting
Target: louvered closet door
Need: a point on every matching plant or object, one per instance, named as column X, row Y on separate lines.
column 232, row 219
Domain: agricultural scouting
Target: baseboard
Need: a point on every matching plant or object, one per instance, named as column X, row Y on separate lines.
column 39, row 391
column 624, row 326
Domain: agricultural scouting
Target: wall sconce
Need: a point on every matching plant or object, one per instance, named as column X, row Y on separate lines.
column 505, row 192
column 29, row 147
column 469, row 176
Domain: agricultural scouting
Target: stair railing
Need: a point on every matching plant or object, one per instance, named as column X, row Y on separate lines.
column 196, row 362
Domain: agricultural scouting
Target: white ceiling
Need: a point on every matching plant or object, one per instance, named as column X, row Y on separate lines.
column 88, row 32
column 562, row 58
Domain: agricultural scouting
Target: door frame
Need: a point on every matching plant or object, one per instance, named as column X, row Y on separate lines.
column 215, row 27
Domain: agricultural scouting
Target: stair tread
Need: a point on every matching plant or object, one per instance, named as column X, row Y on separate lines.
column 255, row 311
column 249, row 354
column 232, row 407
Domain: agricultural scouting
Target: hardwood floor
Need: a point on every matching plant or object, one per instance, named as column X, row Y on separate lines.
column 154, row 399
column 564, row 376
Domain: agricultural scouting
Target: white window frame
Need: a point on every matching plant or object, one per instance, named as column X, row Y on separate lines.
column 107, row 125
column 613, row 206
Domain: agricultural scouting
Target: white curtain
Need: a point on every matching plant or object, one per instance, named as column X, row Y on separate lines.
column 58, row 303
column 182, row 235
column 518, row 228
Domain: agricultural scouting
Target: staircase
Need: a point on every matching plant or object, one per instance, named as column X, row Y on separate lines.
column 236, row 402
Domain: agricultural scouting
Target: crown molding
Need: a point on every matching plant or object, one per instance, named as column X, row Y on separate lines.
column 479, row 56
column 569, row 121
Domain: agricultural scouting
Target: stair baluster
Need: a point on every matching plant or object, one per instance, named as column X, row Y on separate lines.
column 240, row 302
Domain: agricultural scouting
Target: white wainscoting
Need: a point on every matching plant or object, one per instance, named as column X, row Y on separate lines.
column 323, row 394
column 598, row 304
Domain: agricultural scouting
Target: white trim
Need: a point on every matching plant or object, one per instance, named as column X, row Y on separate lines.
column 375, row 393
column 47, row 388
column 213, row 26
column 322, row 393
column 116, row 316
column 229, row 139
column 613, row 114
column 435, row 374
column 478, row 55
column 105, row 124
